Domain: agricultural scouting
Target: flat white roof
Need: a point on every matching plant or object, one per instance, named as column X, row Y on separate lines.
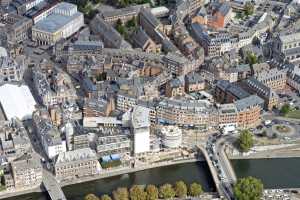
column 140, row 117
column 17, row 101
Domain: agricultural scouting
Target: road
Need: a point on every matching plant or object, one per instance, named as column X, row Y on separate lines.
column 215, row 147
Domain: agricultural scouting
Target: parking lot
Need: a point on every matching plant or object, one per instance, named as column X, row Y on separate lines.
column 278, row 194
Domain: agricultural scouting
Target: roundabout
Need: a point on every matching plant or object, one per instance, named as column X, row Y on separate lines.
column 283, row 130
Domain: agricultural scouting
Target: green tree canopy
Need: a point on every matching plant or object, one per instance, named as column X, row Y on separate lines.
column 285, row 109
column 245, row 140
column 137, row 193
column 180, row 189
column 105, row 197
column 121, row 194
column 120, row 27
column 195, row 189
column 152, row 192
column 249, row 8
column 91, row 197
column 248, row 188
column 251, row 58
column 166, row 191
column 132, row 22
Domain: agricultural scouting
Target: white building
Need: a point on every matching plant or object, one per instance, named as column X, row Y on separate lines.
column 171, row 136
column 17, row 101
column 61, row 21
column 77, row 163
column 140, row 120
column 48, row 134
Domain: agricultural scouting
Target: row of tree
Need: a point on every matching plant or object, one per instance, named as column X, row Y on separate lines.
column 151, row 192
column 125, row 3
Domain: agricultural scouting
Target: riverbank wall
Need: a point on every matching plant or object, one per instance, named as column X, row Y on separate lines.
column 110, row 173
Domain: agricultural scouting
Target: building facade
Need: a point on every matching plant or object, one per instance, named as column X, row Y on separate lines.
column 62, row 22
column 76, row 163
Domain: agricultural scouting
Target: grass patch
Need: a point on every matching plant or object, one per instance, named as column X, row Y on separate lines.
column 2, row 187
column 293, row 114
column 283, row 128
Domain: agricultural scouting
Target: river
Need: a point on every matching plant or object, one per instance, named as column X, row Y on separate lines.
column 188, row 172
column 275, row 173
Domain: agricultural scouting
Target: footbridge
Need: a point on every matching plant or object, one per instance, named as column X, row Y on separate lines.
column 52, row 186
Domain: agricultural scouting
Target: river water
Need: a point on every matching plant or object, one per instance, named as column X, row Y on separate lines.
column 188, row 172
column 275, row 173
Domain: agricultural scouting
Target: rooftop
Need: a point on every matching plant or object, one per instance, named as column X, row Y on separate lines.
column 140, row 117
column 75, row 155
column 54, row 22
column 249, row 102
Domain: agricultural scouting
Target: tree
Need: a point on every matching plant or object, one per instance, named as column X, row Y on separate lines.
column 132, row 22
column 137, row 193
column 166, row 191
column 91, row 197
column 121, row 194
column 152, row 192
column 195, row 189
column 251, row 58
column 120, row 27
column 105, row 197
column 248, row 188
column 249, row 8
column 180, row 189
column 285, row 109
column 245, row 140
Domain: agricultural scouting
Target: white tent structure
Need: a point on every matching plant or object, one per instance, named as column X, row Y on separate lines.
column 17, row 101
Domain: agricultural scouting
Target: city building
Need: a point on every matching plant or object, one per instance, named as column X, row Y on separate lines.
column 96, row 107
column 249, row 111
column 10, row 95
column 289, row 46
column 27, row 172
column 266, row 93
column 228, row 114
column 113, row 144
column 214, row 43
column 186, row 113
column 140, row 120
column 17, row 27
column 75, row 164
column 63, row 21
column 177, row 65
column 14, row 140
column 48, row 134
column 216, row 17
column 10, row 70
column 143, row 41
column 175, row 87
column 53, row 88
column 273, row 78
column 123, row 14
column 171, row 136
column 226, row 92
column 293, row 81
column 194, row 82
column 110, row 37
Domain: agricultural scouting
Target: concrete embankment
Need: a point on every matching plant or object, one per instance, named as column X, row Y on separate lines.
column 107, row 174
column 288, row 151
column 7, row 194
column 126, row 170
